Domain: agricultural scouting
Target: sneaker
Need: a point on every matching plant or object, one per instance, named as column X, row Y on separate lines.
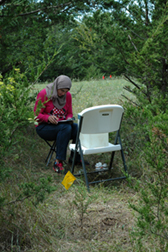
column 58, row 167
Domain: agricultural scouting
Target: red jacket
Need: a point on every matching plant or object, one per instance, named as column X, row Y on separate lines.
column 48, row 106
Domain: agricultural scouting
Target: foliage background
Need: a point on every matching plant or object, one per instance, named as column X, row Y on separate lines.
column 86, row 40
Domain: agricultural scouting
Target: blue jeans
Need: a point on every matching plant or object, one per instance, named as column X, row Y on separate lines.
column 62, row 132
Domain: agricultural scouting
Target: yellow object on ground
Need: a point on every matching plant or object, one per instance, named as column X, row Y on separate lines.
column 68, row 180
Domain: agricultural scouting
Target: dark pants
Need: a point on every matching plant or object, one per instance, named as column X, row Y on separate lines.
column 62, row 132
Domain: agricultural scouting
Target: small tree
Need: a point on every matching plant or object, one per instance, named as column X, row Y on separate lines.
column 16, row 114
column 152, row 208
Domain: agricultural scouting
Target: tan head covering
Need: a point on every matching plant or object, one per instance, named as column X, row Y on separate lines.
column 61, row 81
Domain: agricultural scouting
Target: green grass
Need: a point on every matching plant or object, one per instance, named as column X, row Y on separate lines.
column 55, row 225
column 96, row 92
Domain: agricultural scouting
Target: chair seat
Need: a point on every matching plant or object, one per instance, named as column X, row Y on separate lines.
column 86, row 151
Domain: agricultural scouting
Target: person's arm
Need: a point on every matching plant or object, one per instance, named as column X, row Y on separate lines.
column 69, row 106
column 40, row 107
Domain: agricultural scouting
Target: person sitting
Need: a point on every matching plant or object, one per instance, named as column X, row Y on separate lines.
column 53, row 104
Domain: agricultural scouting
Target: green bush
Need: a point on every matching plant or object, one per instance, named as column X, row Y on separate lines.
column 16, row 116
column 147, row 145
column 14, row 110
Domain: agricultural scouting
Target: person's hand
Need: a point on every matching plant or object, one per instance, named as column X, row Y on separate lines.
column 71, row 122
column 53, row 119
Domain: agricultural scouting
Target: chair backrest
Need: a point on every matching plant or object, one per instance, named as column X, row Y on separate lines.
column 101, row 119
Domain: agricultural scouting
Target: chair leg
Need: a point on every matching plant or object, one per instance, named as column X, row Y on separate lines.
column 83, row 164
column 118, row 139
column 84, row 168
column 77, row 143
column 52, row 150
column 111, row 160
column 49, row 156
column 122, row 154
column 123, row 158
column 73, row 161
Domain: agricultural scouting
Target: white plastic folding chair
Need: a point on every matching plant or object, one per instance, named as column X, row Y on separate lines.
column 95, row 124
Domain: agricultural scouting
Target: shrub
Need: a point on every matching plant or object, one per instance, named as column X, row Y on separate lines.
column 147, row 129
column 16, row 114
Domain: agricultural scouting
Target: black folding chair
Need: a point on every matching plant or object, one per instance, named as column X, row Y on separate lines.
column 51, row 151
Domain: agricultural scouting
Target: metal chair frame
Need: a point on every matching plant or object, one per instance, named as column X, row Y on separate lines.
column 51, row 151
column 78, row 148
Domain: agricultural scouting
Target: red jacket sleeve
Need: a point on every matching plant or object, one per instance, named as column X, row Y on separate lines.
column 39, row 108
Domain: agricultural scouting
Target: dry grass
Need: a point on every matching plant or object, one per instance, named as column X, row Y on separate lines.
column 55, row 225
column 106, row 225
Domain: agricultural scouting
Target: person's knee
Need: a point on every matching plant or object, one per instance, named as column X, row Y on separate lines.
column 67, row 128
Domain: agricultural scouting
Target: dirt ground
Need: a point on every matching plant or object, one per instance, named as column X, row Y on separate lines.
column 107, row 222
